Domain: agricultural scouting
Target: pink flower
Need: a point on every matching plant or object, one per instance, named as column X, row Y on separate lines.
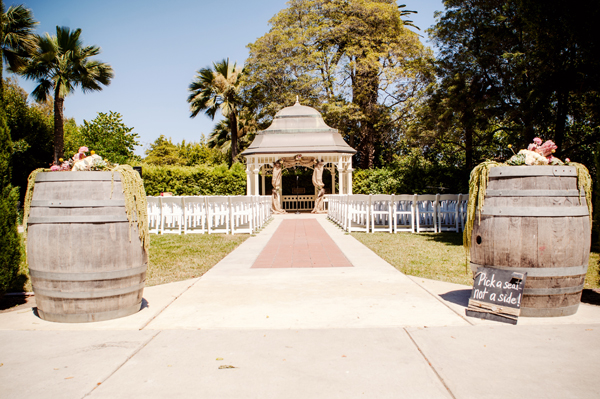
column 532, row 147
column 567, row 160
column 85, row 149
column 54, row 168
column 547, row 148
column 536, row 140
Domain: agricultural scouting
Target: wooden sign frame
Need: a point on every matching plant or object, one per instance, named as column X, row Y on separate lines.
column 496, row 295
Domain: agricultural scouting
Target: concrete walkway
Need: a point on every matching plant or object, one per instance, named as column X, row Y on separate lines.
column 343, row 331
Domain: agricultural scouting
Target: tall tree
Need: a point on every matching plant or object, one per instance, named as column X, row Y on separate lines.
column 512, row 70
column 60, row 64
column 107, row 135
column 217, row 89
column 17, row 41
column 352, row 59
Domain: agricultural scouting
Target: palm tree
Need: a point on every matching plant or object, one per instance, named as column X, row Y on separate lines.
column 60, row 64
column 217, row 89
column 16, row 38
column 220, row 137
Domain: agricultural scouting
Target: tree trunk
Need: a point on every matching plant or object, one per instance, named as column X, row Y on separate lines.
column 365, row 87
column 58, row 125
column 561, row 118
column 234, row 137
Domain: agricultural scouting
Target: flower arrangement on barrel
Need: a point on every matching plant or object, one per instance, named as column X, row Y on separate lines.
column 133, row 187
column 81, row 162
column 538, row 153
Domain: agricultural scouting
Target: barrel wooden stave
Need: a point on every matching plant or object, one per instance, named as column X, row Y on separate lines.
column 536, row 242
column 83, row 271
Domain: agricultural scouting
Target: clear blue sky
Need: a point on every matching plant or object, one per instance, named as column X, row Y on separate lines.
column 155, row 48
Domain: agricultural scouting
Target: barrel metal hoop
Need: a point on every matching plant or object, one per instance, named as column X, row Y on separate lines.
column 530, row 211
column 88, row 317
column 87, row 276
column 88, row 294
column 553, row 291
column 532, row 193
column 77, row 203
column 541, row 271
column 523, row 171
column 549, row 312
column 78, row 176
column 77, row 219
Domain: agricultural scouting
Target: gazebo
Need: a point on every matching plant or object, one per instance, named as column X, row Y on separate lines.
column 299, row 136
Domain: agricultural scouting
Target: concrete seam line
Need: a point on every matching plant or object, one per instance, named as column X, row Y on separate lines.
column 122, row 364
column 436, row 296
column 429, row 363
column 169, row 304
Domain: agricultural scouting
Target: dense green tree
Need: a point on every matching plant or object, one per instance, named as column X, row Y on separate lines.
column 17, row 41
column 162, row 152
column 512, row 70
column 60, row 64
column 354, row 60
column 10, row 250
column 32, row 134
column 217, row 89
column 107, row 135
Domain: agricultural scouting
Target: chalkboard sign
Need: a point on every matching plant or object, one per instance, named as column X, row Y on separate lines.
column 497, row 295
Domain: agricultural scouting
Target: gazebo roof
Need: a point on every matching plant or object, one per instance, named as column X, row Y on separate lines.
column 298, row 129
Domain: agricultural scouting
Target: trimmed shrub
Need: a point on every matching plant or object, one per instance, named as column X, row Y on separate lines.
column 195, row 180
column 411, row 174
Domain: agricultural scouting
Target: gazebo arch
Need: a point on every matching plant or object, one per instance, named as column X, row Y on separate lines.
column 298, row 135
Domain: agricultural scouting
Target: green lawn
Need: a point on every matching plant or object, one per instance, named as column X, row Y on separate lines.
column 180, row 257
column 440, row 256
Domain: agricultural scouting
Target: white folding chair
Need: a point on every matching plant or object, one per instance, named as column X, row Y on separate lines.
column 425, row 213
column 154, row 214
column 404, row 212
column 194, row 210
column 218, row 214
column 241, row 214
column 172, row 215
column 448, row 218
column 463, row 202
column 381, row 212
column 357, row 213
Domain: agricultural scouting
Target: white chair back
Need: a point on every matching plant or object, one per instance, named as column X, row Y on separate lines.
column 172, row 215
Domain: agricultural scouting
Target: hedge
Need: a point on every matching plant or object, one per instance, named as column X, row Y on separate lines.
column 195, row 180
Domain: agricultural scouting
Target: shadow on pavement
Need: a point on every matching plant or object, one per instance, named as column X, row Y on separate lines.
column 591, row 297
column 459, row 297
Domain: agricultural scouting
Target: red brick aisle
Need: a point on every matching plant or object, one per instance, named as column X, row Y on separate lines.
column 301, row 243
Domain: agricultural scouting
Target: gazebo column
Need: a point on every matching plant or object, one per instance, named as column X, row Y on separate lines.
column 255, row 180
column 248, row 178
column 262, row 173
column 332, row 170
column 349, row 180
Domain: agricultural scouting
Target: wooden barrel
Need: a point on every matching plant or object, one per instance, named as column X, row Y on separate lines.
column 83, row 263
column 535, row 220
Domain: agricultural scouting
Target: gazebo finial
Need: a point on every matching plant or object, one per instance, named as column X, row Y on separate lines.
column 297, row 101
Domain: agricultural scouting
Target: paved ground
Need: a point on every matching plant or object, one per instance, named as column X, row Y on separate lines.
column 357, row 330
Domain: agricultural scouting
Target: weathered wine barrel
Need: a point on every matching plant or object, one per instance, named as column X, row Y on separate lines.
column 535, row 220
column 84, row 264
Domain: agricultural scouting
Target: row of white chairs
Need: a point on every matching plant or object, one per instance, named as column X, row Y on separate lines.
column 394, row 213
column 208, row 214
